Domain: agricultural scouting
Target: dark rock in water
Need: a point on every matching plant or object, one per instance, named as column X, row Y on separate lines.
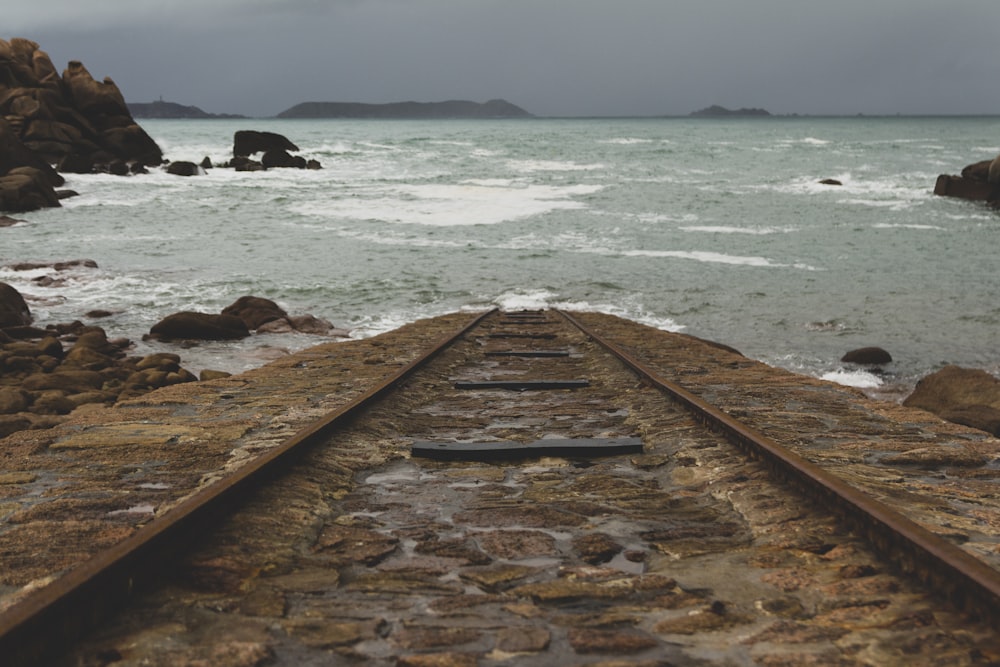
column 188, row 325
column 255, row 311
column 14, row 311
column 961, row 395
column 241, row 163
column 66, row 194
column 25, row 189
column 979, row 181
column 73, row 121
column 868, row 356
column 183, row 168
column 281, row 158
column 248, row 142
column 830, row 181
column 7, row 221
column 206, row 163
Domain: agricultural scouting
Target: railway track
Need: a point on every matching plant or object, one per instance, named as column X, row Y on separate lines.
column 525, row 491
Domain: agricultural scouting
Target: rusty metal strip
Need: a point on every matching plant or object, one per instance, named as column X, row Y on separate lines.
column 62, row 612
column 968, row 582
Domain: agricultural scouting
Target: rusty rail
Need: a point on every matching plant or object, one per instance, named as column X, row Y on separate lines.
column 966, row 581
column 62, row 612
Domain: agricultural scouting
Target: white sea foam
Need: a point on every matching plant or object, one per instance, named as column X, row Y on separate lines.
column 722, row 229
column 450, row 204
column 859, row 379
column 887, row 225
column 551, row 165
column 626, row 141
column 713, row 258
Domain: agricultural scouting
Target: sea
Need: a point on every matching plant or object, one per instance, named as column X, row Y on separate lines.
column 719, row 228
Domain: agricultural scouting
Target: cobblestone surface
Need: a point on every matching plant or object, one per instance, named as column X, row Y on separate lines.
column 685, row 554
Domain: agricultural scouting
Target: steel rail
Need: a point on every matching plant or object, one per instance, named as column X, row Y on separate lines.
column 49, row 619
column 966, row 581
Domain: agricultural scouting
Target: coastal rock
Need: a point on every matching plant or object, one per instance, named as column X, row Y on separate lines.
column 183, row 168
column 867, row 356
column 248, row 142
column 189, row 325
column 966, row 396
column 282, row 158
column 830, row 181
column 14, row 311
column 255, row 311
column 71, row 120
column 979, row 181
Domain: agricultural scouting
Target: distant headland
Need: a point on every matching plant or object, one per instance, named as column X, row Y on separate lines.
column 715, row 111
column 407, row 110
column 161, row 109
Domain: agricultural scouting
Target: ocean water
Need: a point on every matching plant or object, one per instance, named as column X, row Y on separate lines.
column 718, row 228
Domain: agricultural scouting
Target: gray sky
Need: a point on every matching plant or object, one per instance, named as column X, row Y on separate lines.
column 551, row 57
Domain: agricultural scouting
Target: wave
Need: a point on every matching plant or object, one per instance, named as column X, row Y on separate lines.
column 722, row 229
column 449, row 205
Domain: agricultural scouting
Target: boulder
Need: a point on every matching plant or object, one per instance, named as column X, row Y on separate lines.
column 183, row 168
column 867, row 356
column 960, row 395
column 979, row 181
column 830, row 181
column 310, row 324
column 281, row 158
column 72, row 120
column 255, row 311
column 248, row 142
column 14, row 311
column 188, row 325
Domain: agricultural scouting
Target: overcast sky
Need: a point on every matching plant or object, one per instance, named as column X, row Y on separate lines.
column 551, row 57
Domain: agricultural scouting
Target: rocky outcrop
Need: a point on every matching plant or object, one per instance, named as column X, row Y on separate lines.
column 46, row 373
column 237, row 320
column 72, row 121
column 249, row 142
column 265, row 316
column 413, row 110
column 979, row 181
column 966, row 396
column 190, row 325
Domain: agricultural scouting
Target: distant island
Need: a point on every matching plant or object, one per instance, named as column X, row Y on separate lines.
column 407, row 110
column 716, row 111
column 161, row 109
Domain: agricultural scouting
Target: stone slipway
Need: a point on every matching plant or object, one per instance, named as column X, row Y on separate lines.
column 67, row 492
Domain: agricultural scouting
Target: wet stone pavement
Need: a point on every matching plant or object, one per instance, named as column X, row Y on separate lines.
column 685, row 554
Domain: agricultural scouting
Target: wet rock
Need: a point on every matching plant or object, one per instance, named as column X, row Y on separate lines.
column 830, row 181
column 14, row 310
column 591, row 640
column 183, row 168
column 961, row 395
column 255, row 311
column 868, row 356
column 523, row 640
column 596, row 548
column 248, row 142
column 518, row 544
column 188, row 325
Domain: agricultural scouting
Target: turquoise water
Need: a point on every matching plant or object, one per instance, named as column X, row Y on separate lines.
column 718, row 228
